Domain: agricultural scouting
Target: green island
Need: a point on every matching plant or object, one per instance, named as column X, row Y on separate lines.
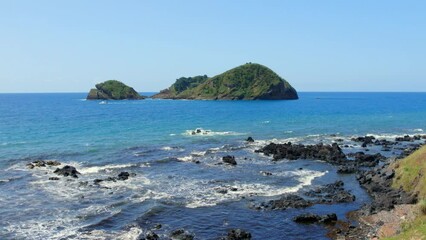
column 250, row 81
column 113, row 90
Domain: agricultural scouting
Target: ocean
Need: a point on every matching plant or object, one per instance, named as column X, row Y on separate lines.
column 176, row 180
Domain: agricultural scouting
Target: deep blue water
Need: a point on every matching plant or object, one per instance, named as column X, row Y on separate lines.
column 153, row 139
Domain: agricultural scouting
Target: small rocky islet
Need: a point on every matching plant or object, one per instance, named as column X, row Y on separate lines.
column 376, row 177
column 250, row 81
column 113, row 90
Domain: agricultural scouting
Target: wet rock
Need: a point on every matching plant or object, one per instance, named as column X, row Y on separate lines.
column 39, row 163
column 366, row 160
column 67, row 171
column 200, row 131
column 229, row 160
column 309, row 218
column 123, row 176
column 181, row 234
column 285, row 202
column 347, row 169
column 222, row 190
column 158, row 226
column 264, row 173
column 330, row 153
column 97, row 181
column 405, row 138
column 52, row 163
column 364, row 140
column 378, row 183
column 383, row 142
column 150, row 235
column 331, row 193
column 250, row 139
column 237, row 234
column 54, row 178
column 30, row 166
column 83, row 184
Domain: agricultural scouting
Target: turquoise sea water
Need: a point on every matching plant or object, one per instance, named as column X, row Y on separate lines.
column 153, row 138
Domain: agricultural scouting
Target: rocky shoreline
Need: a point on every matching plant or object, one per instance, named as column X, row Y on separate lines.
column 372, row 171
column 374, row 174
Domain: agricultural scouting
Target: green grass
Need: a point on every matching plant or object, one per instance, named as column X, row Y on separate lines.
column 410, row 175
column 422, row 207
column 415, row 230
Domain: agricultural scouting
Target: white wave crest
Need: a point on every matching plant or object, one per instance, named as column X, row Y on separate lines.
column 203, row 132
column 204, row 197
column 106, row 168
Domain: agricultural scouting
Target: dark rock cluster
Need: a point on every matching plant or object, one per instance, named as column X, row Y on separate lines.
column 331, row 193
column 309, row 218
column 330, row 153
column 378, row 183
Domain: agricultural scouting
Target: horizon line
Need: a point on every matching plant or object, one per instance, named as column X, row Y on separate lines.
column 59, row 92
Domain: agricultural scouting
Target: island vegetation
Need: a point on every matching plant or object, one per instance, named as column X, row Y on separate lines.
column 113, row 90
column 250, row 81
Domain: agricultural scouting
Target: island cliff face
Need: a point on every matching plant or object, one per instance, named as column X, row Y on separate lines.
column 246, row 82
column 113, row 90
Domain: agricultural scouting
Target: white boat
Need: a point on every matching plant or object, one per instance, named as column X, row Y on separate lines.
column 103, row 102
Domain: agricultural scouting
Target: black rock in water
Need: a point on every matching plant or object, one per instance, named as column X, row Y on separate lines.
column 347, row 169
column 67, row 171
column 330, row 153
column 367, row 160
column 237, row 234
column 229, row 160
column 364, row 140
column 285, row 202
column 123, row 176
column 250, row 139
column 331, row 193
column 181, row 234
column 308, row 218
column 150, row 236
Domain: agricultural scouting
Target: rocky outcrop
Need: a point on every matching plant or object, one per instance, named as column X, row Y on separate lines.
column 237, row 234
column 327, row 194
column 67, row 171
column 285, row 202
column 331, row 193
column 230, row 160
column 113, row 90
column 309, row 218
column 378, row 183
column 246, row 82
column 330, row 153
column 123, row 176
column 42, row 163
column 181, row 234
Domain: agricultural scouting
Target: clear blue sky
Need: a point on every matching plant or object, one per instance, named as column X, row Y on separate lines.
column 68, row 46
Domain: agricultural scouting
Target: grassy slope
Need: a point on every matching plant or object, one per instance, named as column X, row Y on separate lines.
column 411, row 176
column 411, row 173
